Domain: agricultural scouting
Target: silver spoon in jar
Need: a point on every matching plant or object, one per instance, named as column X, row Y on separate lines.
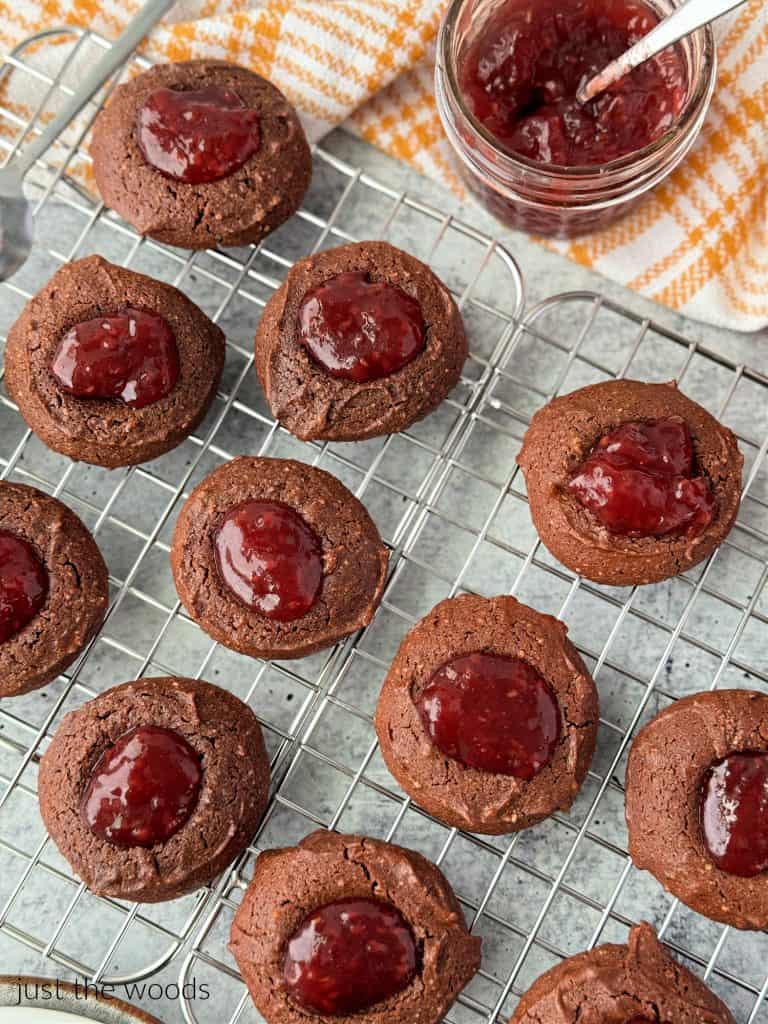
column 16, row 222
column 686, row 19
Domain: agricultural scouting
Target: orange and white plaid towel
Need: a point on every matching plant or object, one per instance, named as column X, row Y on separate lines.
column 699, row 244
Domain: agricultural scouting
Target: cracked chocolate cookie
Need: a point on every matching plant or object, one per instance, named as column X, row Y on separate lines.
column 488, row 717
column 277, row 559
column 111, row 367
column 54, row 588
column 697, row 804
column 630, row 483
column 359, row 341
column 638, row 983
column 154, row 787
column 346, row 925
column 201, row 153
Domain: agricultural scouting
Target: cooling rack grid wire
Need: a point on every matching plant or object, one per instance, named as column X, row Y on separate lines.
column 452, row 507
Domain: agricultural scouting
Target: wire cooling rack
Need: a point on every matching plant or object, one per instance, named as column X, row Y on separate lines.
column 451, row 505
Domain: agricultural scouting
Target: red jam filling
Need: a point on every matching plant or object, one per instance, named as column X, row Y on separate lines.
column 493, row 713
column 349, row 955
column 197, row 136
column 23, row 584
column 143, row 789
column 270, row 559
column 734, row 814
column 131, row 356
column 521, row 73
column 641, row 480
column 359, row 329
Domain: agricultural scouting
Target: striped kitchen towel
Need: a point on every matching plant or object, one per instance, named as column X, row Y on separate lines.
column 699, row 244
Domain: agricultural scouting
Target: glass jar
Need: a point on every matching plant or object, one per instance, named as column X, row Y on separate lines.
column 544, row 199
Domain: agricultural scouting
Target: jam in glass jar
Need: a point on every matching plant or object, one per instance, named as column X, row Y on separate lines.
column 506, row 80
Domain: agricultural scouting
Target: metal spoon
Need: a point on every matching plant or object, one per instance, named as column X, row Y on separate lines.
column 16, row 222
column 686, row 19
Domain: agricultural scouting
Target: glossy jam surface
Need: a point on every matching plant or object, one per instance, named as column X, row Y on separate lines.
column 23, row 584
column 493, row 713
column 641, row 480
column 131, row 356
column 270, row 558
column 197, row 136
column 143, row 789
column 734, row 814
column 349, row 955
column 521, row 73
column 359, row 329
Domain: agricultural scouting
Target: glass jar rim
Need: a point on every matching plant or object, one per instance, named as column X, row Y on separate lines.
column 689, row 116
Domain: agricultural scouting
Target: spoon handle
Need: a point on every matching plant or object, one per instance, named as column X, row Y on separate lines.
column 686, row 19
column 112, row 60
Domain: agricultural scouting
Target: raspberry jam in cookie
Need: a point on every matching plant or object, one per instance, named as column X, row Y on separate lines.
column 270, row 558
column 640, row 480
column 143, row 789
column 131, row 356
column 492, row 712
column 361, row 330
column 734, row 814
column 349, row 955
column 197, row 136
column 23, row 584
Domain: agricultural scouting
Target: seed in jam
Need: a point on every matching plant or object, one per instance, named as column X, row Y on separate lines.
column 521, row 73
column 131, row 356
column 734, row 814
column 641, row 480
column 349, row 955
column 492, row 712
column 143, row 789
column 270, row 558
column 197, row 136
column 361, row 330
column 23, row 584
